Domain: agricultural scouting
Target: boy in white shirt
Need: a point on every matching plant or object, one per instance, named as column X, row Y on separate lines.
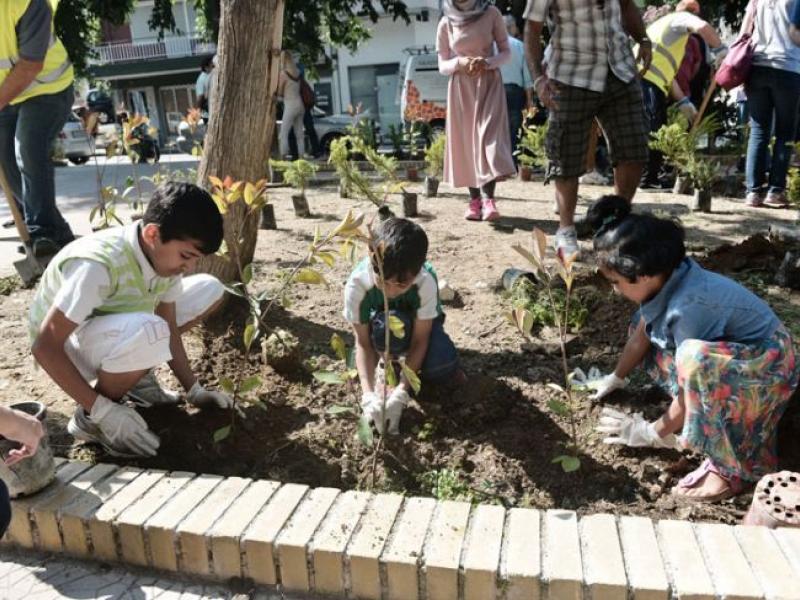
column 113, row 305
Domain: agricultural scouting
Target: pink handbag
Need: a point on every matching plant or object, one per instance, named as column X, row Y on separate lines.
column 735, row 68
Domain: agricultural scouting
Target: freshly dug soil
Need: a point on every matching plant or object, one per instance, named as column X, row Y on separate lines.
column 491, row 440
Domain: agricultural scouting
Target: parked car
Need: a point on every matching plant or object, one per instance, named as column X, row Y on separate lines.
column 100, row 102
column 424, row 95
column 330, row 127
column 76, row 145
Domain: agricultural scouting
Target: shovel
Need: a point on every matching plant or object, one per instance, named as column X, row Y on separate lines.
column 28, row 268
column 712, row 87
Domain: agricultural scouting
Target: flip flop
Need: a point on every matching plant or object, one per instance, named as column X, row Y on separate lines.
column 693, row 479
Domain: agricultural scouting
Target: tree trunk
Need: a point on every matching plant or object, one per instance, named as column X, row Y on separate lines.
column 239, row 136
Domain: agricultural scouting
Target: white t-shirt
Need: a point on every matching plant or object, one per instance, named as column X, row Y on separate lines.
column 87, row 284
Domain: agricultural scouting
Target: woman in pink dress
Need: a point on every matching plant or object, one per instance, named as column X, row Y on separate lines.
column 478, row 145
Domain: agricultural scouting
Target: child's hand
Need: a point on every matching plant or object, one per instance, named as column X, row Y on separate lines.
column 203, row 398
column 371, row 409
column 394, row 409
column 25, row 429
column 125, row 430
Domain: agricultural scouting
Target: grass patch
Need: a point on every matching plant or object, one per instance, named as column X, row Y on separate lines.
column 9, row 284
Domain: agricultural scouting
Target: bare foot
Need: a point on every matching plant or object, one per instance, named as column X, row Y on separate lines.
column 710, row 487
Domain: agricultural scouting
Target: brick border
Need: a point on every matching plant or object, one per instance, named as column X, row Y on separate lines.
column 385, row 546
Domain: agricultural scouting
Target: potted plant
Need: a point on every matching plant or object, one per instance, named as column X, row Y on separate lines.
column 434, row 157
column 414, row 139
column 395, row 136
column 297, row 174
column 702, row 173
column 530, row 148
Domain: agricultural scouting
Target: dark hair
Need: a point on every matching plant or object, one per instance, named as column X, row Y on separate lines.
column 634, row 244
column 207, row 62
column 405, row 247
column 184, row 211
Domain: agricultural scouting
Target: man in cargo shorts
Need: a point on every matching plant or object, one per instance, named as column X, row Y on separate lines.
column 590, row 73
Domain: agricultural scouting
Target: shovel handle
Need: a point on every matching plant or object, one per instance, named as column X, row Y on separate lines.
column 22, row 229
column 706, row 99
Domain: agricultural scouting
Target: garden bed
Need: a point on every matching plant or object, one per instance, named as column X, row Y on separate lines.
column 492, row 440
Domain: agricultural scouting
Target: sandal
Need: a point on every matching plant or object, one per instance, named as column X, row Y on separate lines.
column 693, row 479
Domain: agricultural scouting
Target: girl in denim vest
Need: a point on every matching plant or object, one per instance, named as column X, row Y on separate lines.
column 717, row 348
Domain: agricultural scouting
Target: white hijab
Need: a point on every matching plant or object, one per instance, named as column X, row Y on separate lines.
column 459, row 12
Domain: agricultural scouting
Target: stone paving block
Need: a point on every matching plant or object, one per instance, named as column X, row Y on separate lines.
column 292, row 543
column 101, row 525
column 789, row 541
column 192, row 531
column 482, row 554
column 364, row 550
column 130, row 522
column 45, row 511
column 20, row 530
column 443, row 549
column 604, row 566
column 561, row 554
column 770, row 565
column 521, row 568
column 329, row 543
column 647, row 578
column 259, row 540
column 73, row 517
column 685, row 564
column 403, row 553
column 160, row 528
column 731, row 573
column 224, row 536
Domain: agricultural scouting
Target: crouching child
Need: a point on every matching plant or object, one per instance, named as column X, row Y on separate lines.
column 411, row 288
column 113, row 305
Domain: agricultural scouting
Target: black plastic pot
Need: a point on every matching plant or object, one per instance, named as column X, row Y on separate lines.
column 268, row 217
column 431, row 187
column 409, row 204
column 702, row 201
column 300, row 205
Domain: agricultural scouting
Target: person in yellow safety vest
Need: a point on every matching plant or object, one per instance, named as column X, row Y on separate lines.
column 35, row 100
column 669, row 35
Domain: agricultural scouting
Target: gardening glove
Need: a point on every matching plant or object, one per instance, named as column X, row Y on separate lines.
column 586, row 381
column 605, row 385
column 397, row 401
column 125, row 430
column 203, row 398
column 718, row 55
column 371, row 409
column 687, row 109
column 632, row 430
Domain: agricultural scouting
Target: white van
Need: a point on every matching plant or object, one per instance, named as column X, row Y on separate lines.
column 424, row 95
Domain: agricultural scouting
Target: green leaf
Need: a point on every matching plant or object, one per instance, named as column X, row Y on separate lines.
column 250, row 332
column 568, row 462
column 391, row 376
column 412, row 378
column 558, row 407
column 339, row 347
column 234, row 289
column 328, row 377
column 397, row 327
column 351, row 358
column 247, row 274
column 249, row 384
column 310, row 276
column 226, row 384
column 222, row 433
column 364, row 433
column 339, row 409
column 326, row 257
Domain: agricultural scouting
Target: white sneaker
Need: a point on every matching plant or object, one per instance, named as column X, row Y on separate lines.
column 566, row 242
column 147, row 392
column 81, row 428
column 593, row 178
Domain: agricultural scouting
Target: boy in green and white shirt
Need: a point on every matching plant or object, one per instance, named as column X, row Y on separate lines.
column 113, row 305
column 411, row 287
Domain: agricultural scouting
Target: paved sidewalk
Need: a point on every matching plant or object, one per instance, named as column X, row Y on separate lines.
column 76, row 194
column 32, row 576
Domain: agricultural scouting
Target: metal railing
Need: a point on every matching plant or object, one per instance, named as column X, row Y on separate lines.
column 170, row 47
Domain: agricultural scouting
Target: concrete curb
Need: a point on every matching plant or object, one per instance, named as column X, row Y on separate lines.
column 360, row 545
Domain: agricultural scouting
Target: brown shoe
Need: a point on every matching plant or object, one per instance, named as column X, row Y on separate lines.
column 776, row 200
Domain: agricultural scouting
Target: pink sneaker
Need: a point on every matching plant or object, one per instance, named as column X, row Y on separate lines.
column 489, row 210
column 474, row 210
column 754, row 199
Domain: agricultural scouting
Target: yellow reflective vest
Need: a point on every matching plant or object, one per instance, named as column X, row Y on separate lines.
column 57, row 72
column 668, row 51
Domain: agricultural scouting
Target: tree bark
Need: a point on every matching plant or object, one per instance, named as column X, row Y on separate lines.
column 240, row 133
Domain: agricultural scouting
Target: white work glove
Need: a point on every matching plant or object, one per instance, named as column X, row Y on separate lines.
column 125, row 430
column 719, row 54
column 600, row 384
column 687, row 109
column 632, row 430
column 203, row 398
column 395, row 403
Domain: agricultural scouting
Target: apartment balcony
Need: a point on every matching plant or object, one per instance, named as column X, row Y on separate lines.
column 151, row 49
